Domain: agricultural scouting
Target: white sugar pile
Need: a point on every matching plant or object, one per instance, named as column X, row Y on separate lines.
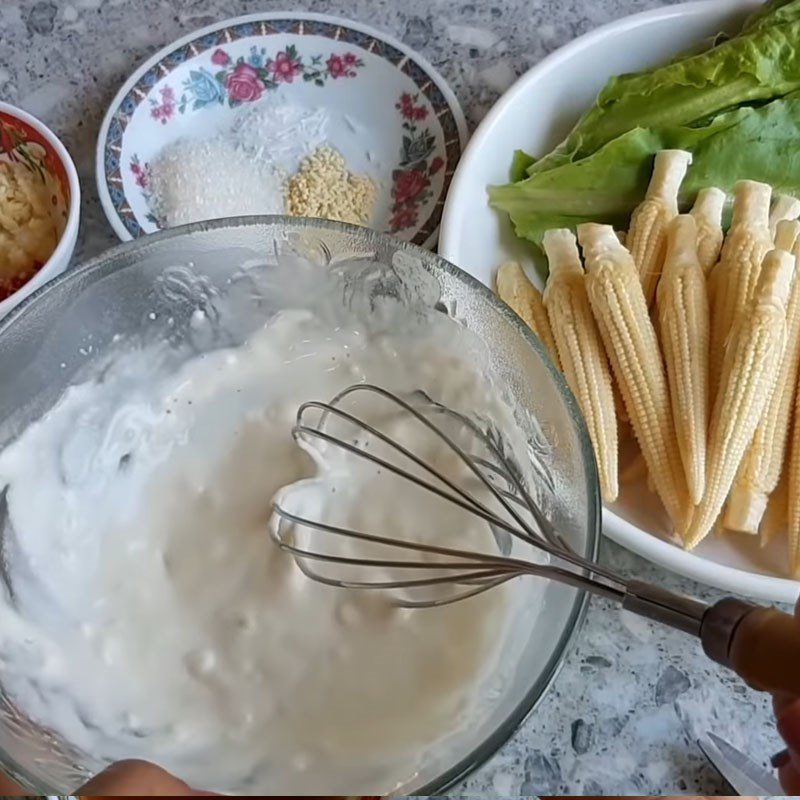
column 242, row 171
column 280, row 134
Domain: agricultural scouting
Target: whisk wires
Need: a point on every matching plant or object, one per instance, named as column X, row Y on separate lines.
column 474, row 572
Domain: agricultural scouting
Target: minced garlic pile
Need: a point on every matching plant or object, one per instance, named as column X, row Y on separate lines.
column 28, row 234
column 324, row 188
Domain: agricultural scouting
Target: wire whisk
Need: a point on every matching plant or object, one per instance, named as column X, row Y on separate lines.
column 760, row 644
column 488, row 462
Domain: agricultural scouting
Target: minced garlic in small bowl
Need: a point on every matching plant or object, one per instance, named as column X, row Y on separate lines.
column 39, row 206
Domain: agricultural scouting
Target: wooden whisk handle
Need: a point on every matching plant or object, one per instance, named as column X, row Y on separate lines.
column 762, row 645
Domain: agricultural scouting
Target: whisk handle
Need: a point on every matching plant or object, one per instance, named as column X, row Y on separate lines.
column 762, row 645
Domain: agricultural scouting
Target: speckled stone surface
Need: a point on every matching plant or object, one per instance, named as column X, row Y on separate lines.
column 625, row 711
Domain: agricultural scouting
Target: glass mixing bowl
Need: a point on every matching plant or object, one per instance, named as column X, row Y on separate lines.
column 154, row 285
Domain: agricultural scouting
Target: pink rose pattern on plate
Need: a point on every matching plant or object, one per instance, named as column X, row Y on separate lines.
column 411, row 181
column 244, row 84
column 141, row 176
column 247, row 78
column 220, row 58
column 163, row 109
column 286, row 66
column 342, row 66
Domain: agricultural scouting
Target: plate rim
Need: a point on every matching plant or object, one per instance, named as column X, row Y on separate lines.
column 123, row 234
column 658, row 551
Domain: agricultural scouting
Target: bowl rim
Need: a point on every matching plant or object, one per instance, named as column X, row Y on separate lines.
column 453, row 104
column 772, row 588
column 66, row 242
column 530, row 700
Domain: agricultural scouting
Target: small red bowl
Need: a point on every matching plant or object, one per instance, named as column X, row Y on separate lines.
column 40, row 149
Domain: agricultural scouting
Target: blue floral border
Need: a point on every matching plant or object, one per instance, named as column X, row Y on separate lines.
column 267, row 27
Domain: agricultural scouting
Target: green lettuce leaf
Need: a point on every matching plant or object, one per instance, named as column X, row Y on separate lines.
column 759, row 143
column 756, row 67
column 520, row 162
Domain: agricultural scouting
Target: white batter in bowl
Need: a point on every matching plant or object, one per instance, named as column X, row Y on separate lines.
column 147, row 613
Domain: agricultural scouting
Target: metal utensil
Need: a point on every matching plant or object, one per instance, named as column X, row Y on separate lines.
column 762, row 645
column 739, row 770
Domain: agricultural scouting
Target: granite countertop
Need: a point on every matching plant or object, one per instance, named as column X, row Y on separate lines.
column 626, row 709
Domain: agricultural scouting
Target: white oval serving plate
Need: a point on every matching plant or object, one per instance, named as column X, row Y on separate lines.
column 392, row 115
column 535, row 115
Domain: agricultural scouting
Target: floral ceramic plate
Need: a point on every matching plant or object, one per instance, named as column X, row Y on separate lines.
column 392, row 116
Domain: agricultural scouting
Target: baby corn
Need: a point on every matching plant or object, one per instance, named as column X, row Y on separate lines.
column 516, row 291
column 734, row 278
column 794, row 494
column 682, row 305
column 783, row 207
column 751, row 364
column 786, row 233
column 707, row 213
column 580, row 350
column 646, row 239
column 761, row 468
column 620, row 310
